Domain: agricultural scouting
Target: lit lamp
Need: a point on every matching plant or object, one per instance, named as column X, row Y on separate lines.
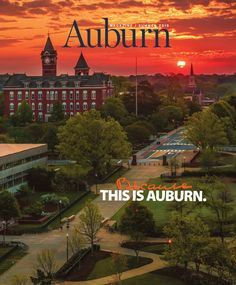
column 60, row 204
column 169, row 242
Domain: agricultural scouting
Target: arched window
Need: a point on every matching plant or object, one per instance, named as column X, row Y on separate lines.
column 11, row 106
column 85, row 106
column 77, row 106
column 64, row 106
column 40, row 106
column 33, row 106
column 71, row 106
column 93, row 106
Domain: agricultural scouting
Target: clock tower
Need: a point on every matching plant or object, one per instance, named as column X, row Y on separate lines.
column 49, row 59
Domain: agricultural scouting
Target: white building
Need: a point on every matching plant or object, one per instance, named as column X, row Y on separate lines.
column 16, row 160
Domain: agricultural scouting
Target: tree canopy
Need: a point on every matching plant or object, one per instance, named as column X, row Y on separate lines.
column 93, row 141
column 9, row 207
column 205, row 130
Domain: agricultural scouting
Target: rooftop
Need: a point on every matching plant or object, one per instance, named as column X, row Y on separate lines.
column 18, row 80
column 9, row 149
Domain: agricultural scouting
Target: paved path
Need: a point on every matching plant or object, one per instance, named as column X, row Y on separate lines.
column 110, row 242
column 56, row 239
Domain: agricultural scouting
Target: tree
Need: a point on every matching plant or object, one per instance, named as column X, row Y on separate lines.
column 205, row 130
column 4, row 138
column 9, row 207
column 23, row 115
column 114, row 108
column 148, row 101
column 119, row 264
column 93, row 141
column 208, row 158
column 57, row 112
column 220, row 258
column 46, row 263
column 173, row 113
column 189, row 237
column 220, row 202
column 70, row 178
column 76, row 241
column 223, row 109
column 138, row 222
column 90, row 223
column 50, row 137
column 174, row 165
column 137, row 133
column 137, row 217
column 40, row 179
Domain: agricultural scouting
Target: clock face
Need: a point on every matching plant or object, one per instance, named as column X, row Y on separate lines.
column 47, row 60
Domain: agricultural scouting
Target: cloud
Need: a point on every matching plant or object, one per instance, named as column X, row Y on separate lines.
column 8, row 42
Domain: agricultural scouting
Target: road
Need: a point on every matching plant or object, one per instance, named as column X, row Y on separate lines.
column 56, row 239
column 172, row 144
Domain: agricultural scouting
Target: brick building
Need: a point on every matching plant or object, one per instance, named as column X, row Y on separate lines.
column 77, row 93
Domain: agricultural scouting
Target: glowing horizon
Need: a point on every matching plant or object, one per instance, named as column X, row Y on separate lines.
column 203, row 34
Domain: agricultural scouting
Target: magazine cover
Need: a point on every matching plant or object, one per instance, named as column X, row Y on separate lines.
column 117, row 142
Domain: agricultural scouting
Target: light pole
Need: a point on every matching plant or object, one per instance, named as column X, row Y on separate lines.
column 169, row 242
column 4, row 225
column 96, row 182
column 184, row 163
column 60, row 203
column 67, row 247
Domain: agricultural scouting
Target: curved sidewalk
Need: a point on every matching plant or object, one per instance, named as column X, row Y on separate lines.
column 156, row 263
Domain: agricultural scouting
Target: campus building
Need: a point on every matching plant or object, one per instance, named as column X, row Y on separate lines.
column 16, row 160
column 195, row 94
column 77, row 93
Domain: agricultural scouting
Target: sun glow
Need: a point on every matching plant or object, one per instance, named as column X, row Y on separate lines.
column 181, row 63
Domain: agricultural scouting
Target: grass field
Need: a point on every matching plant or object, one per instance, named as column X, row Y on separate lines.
column 162, row 210
column 11, row 259
column 104, row 267
column 152, row 278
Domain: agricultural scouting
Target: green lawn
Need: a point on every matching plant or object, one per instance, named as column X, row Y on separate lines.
column 116, row 175
column 4, row 249
column 152, row 278
column 162, row 210
column 104, row 266
column 11, row 259
column 156, row 248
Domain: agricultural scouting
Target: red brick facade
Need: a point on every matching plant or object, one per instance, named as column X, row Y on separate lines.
column 77, row 93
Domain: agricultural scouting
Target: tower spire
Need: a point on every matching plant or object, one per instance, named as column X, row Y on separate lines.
column 191, row 70
column 49, row 59
column 81, row 67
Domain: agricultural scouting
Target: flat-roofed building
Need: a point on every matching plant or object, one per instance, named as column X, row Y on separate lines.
column 16, row 160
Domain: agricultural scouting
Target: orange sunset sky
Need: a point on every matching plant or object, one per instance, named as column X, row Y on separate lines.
column 202, row 32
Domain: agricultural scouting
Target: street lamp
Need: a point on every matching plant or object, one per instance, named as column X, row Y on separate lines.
column 60, row 204
column 184, row 163
column 67, row 224
column 67, row 247
column 96, row 181
column 169, row 242
column 4, row 225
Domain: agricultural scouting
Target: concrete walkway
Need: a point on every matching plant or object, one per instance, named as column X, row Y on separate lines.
column 56, row 239
column 111, row 242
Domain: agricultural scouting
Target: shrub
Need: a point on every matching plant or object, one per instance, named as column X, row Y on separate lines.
column 54, row 199
column 34, row 210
